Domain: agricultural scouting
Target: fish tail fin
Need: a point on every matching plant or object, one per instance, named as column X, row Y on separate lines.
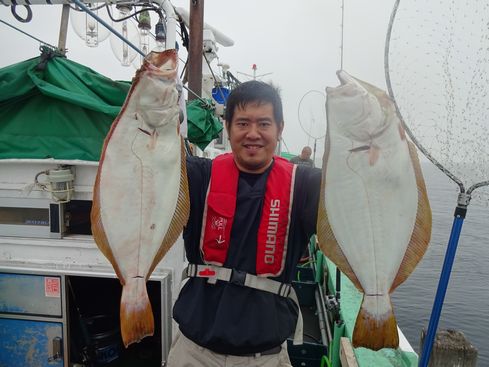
column 136, row 314
column 376, row 325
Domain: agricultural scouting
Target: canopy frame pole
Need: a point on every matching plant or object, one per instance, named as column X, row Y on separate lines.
column 63, row 28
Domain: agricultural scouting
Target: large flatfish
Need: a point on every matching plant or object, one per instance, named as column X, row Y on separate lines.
column 140, row 200
column 374, row 217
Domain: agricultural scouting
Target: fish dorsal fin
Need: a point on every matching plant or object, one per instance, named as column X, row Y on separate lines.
column 421, row 235
column 98, row 230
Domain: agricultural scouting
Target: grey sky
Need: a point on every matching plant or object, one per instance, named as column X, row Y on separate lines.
column 297, row 41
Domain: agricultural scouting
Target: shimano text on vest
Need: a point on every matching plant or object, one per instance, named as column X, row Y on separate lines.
column 272, row 229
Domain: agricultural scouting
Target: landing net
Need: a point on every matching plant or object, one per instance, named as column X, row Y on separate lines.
column 437, row 71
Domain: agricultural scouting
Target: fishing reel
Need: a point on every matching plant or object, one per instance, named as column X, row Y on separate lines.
column 333, row 306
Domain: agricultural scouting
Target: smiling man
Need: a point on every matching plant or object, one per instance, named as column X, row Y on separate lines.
column 251, row 216
column 253, row 133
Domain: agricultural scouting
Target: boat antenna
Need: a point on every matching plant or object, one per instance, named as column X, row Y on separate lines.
column 254, row 76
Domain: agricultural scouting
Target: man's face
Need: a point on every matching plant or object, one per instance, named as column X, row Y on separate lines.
column 306, row 153
column 253, row 134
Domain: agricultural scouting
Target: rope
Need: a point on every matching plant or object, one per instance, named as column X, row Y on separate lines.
column 28, row 17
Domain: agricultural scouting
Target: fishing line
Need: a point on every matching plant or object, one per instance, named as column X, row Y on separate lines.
column 342, row 32
column 29, row 35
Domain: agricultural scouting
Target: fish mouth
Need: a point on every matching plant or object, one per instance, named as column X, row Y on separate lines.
column 162, row 60
column 346, row 81
column 349, row 86
column 344, row 77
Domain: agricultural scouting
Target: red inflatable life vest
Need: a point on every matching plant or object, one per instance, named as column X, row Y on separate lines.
column 220, row 207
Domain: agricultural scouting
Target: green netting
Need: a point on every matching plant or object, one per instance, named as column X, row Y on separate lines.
column 51, row 107
column 203, row 125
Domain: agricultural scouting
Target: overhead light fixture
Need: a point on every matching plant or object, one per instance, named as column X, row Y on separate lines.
column 144, row 25
column 160, row 36
column 145, row 37
column 87, row 28
column 125, row 27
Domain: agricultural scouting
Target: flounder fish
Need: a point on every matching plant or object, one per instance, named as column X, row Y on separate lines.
column 141, row 200
column 374, row 219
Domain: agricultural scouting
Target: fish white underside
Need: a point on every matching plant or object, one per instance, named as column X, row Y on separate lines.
column 140, row 180
column 374, row 207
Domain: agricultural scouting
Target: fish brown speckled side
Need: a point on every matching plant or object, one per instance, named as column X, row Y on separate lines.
column 374, row 218
column 140, row 200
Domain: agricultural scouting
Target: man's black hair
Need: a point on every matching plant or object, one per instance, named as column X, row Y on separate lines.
column 254, row 91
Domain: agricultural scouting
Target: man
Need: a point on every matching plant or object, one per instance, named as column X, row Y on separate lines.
column 250, row 218
column 304, row 159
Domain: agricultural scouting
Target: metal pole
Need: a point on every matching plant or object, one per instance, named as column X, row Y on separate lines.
column 63, row 28
column 196, row 28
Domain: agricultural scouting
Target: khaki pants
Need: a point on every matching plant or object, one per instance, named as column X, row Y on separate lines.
column 185, row 353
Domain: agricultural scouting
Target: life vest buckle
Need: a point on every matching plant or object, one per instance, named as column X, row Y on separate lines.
column 238, row 277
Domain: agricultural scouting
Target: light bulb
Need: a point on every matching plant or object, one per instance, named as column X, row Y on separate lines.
column 160, row 36
column 87, row 28
column 144, row 25
column 122, row 51
column 144, row 41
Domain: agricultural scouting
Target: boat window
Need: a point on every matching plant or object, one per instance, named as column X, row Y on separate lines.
column 24, row 216
column 77, row 214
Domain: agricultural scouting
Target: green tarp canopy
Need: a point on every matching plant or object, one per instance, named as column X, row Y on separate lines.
column 51, row 107
column 203, row 125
